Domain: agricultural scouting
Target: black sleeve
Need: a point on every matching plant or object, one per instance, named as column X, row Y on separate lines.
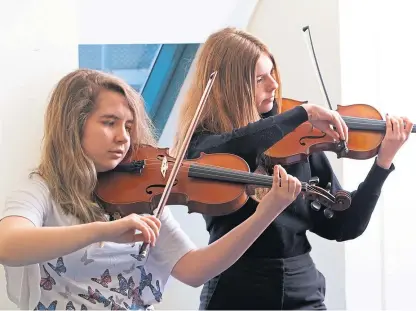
column 250, row 141
column 352, row 222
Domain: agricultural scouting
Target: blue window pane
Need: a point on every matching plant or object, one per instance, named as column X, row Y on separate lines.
column 157, row 71
column 131, row 62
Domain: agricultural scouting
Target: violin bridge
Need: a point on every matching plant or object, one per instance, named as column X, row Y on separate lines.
column 164, row 167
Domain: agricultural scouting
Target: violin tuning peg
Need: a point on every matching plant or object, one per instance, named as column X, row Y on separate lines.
column 328, row 187
column 328, row 213
column 316, row 205
column 314, row 181
column 341, row 149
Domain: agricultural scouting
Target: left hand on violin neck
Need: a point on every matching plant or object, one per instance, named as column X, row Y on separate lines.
column 397, row 133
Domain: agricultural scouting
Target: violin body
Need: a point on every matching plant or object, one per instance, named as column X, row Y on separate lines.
column 140, row 192
column 213, row 184
column 365, row 135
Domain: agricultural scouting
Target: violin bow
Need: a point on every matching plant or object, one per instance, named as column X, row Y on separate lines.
column 318, row 71
column 145, row 247
column 343, row 144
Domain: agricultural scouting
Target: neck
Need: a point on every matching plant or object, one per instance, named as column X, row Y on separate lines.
column 229, row 175
column 363, row 124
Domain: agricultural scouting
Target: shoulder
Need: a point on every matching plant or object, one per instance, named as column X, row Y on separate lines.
column 30, row 199
column 32, row 184
column 197, row 139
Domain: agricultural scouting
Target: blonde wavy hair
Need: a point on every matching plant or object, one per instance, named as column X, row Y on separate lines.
column 68, row 172
column 231, row 104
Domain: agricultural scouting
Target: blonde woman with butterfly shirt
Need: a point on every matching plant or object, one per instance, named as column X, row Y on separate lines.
column 51, row 230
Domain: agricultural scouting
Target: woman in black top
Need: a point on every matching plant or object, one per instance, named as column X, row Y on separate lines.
column 240, row 117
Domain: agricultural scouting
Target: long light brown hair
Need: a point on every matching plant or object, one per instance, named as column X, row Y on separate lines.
column 68, row 172
column 231, row 104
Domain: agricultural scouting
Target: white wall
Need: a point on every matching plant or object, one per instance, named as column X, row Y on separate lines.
column 397, row 64
column 34, row 55
column 359, row 68
column 377, row 68
column 158, row 21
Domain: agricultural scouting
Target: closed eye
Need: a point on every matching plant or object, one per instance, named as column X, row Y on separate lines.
column 109, row 123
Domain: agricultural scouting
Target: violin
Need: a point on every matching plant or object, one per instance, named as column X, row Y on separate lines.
column 213, row 184
column 366, row 130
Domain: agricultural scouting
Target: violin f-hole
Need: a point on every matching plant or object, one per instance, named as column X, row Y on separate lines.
column 302, row 139
column 149, row 188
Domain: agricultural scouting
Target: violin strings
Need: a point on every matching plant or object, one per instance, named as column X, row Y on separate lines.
column 219, row 173
column 364, row 124
column 225, row 174
column 358, row 123
column 216, row 172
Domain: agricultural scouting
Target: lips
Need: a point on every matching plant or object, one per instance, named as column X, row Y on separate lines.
column 118, row 152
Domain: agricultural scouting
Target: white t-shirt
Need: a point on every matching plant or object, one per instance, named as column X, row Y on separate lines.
column 110, row 277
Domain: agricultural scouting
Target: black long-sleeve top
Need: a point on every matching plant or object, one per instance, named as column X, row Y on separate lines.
column 286, row 236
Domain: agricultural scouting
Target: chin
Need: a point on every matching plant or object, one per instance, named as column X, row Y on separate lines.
column 266, row 107
column 106, row 167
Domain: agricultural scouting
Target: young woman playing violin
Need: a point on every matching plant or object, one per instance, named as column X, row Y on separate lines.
column 60, row 250
column 241, row 118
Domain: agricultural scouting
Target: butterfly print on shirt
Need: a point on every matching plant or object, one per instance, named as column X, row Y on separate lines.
column 118, row 300
column 156, row 291
column 85, row 260
column 130, row 270
column 136, row 257
column 105, row 279
column 95, row 296
column 69, row 306
column 67, row 292
column 59, row 268
column 123, row 285
column 48, row 282
column 136, row 303
column 116, row 305
column 146, row 280
column 51, row 307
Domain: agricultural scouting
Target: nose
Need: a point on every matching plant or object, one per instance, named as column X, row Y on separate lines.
column 122, row 135
column 273, row 85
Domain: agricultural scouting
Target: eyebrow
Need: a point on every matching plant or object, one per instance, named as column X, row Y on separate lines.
column 113, row 116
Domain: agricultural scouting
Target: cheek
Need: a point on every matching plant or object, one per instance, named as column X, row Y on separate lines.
column 259, row 95
column 87, row 140
column 93, row 136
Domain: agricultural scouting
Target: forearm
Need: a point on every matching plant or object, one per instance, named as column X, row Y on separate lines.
column 199, row 266
column 250, row 141
column 352, row 222
column 24, row 246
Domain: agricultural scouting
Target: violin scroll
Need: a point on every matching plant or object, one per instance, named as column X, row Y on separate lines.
column 311, row 192
column 319, row 196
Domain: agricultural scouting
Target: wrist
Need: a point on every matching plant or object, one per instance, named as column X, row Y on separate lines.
column 98, row 231
column 384, row 162
column 309, row 110
column 266, row 215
